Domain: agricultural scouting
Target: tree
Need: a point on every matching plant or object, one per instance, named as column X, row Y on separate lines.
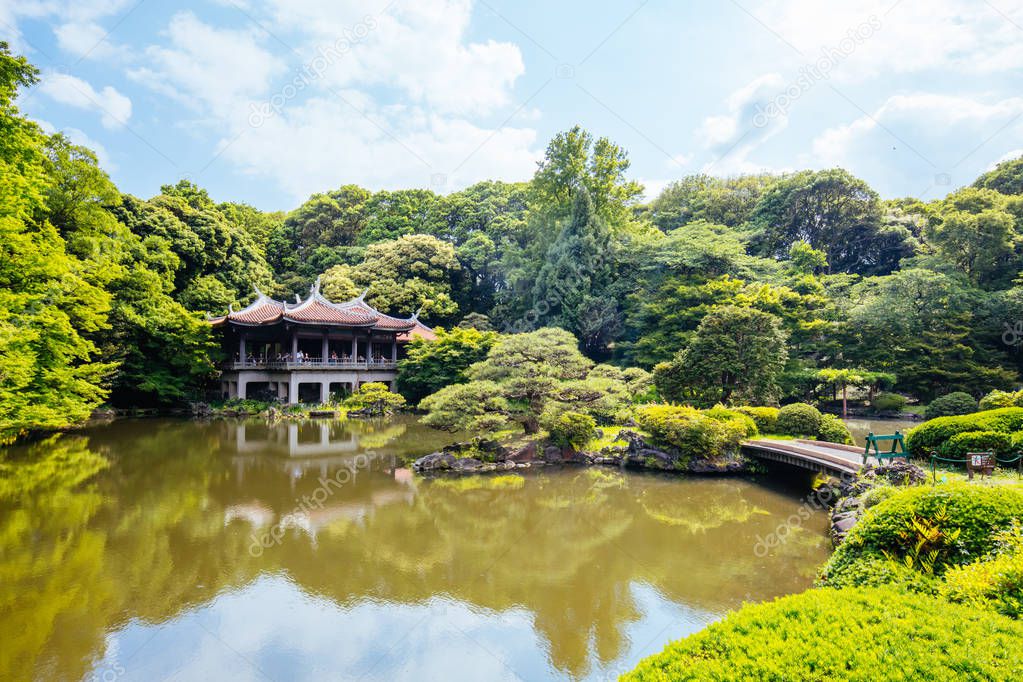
column 374, row 398
column 433, row 364
column 723, row 201
column 573, row 162
column 574, row 274
column 526, row 377
column 416, row 272
column 1006, row 177
column 843, row 379
column 834, row 212
column 49, row 376
column 736, row 355
column 973, row 231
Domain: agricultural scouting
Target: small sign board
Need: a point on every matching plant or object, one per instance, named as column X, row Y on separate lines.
column 980, row 462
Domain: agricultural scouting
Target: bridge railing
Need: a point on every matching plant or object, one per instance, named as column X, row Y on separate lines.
column 311, row 363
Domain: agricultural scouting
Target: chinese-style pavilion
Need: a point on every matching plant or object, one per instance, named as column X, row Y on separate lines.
column 311, row 348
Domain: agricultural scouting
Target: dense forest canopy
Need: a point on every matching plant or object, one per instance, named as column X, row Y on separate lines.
column 103, row 295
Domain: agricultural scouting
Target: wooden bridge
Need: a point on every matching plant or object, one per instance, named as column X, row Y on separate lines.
column 828, row 458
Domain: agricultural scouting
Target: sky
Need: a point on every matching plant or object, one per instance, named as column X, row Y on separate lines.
column 270, row 101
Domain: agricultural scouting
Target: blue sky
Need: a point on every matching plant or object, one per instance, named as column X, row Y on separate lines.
column 269, row 101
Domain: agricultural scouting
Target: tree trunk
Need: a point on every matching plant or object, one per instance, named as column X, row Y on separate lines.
column 845, row 407
column 531, row 426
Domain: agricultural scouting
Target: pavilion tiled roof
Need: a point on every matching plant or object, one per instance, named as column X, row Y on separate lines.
column 317, row 310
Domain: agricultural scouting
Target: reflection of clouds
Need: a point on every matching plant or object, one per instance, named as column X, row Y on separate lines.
column 256, row 514
column 289, row 635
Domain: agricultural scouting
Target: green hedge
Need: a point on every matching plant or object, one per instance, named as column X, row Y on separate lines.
column 834, row 430
column 967, row 518
column 931, row 435
column 994, row 582
column 960, row 444
column 799, row 419
column 853, row 634
column 951, row 404
column 996, row 399
column 766, row 418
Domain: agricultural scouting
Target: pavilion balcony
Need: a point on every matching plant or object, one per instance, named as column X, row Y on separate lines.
column 310, row 363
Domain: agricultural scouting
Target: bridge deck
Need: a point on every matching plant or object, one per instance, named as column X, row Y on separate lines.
column 827, row 457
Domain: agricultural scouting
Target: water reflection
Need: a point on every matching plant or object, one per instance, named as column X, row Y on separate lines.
column 363, row 570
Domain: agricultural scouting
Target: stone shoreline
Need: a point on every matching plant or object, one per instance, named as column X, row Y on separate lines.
column 636, row 454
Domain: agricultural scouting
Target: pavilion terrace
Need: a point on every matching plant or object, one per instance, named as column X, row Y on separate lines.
column 307, row 350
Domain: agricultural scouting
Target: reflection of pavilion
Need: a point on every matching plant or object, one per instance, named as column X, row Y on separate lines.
column 295, row 439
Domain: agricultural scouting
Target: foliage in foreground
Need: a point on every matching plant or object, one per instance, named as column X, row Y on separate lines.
column 850, row 634
column 432, row 365
column 928, row 529
column 994, row 582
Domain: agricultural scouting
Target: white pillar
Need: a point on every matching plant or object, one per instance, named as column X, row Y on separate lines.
column 355, row 346
column 394, row 349
column 294, row 345
column 241, row 347
column 242, row 388
column 293, row 388
column 326, row 347
column 324, row 392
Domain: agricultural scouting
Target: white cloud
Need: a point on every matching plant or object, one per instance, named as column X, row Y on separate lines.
column 113, row 107
column 750, row 120
column 210, row 68
column 78, row 31
column 386, row 100
column 910, row 36
column 922, row 143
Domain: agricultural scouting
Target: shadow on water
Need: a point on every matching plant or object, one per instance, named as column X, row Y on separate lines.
column 241, row 550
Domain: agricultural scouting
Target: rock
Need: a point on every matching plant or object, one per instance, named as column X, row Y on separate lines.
column 552, row 454
column 844, row 525
column 525, row 454
column 437, row 461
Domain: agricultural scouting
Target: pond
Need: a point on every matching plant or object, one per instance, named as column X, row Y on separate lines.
column 238, row 550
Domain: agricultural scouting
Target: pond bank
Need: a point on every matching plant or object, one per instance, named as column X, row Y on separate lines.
column 484, row 456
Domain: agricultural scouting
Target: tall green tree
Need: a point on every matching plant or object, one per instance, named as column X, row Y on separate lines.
column 736, row 356
column 834, row 212
column 431, row 365
column 49, row 374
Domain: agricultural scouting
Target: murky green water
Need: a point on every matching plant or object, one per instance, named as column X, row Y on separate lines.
column 239, row 551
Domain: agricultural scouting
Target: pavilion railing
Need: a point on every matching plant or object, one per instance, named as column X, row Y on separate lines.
column 311, row 363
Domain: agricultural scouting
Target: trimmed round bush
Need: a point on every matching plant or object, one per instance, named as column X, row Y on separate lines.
column 766, row 418
column 571, row 429
column 951, row 405
column 834, row 430
column 960, row 444
column 853, row 634
column 932, row 434
column 799, row 419
column 888, row 402
column 961, row 521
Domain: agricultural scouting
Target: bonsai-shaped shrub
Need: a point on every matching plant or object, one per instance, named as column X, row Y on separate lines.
column 374, row 398
column 933, row 434
column 570, row 429
column 766, row 418
column 852, row 634
column 799, row 419
column 951, row 405
column 888, row 402
column 960, row 444
column 834, row 430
